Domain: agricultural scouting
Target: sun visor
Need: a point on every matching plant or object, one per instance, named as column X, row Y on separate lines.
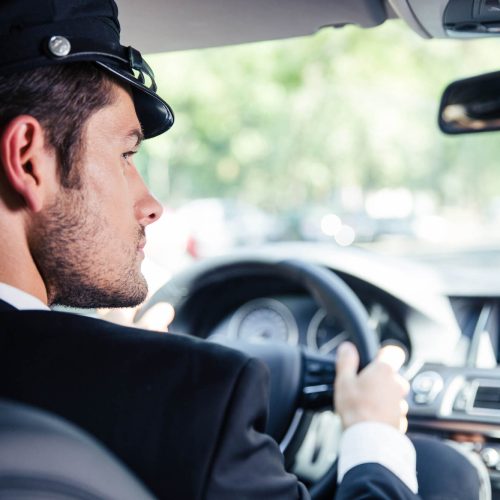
column 161, row 26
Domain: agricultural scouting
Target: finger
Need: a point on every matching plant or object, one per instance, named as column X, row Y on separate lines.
column 392, row 355
column 347, row 361
column 404, row 384
column 158, row 317
column 403, row 407
column 403, row 425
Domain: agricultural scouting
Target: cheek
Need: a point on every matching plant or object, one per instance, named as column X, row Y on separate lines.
column 108, row 179
column 116, row 187
column 110, row 197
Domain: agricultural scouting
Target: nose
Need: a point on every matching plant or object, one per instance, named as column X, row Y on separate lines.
column 147, row 208
column 150, row 210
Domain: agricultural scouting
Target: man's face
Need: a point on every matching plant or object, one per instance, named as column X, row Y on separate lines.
column 88, row 243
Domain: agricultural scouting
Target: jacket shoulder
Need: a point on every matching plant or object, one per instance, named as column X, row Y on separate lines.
column 157, row 400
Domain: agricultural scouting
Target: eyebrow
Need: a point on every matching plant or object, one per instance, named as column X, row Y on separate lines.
column 137, row 133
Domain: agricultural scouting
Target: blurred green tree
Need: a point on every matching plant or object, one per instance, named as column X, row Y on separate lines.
column 284, row 124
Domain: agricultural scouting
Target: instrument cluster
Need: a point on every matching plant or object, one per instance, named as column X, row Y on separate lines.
column 298, row 321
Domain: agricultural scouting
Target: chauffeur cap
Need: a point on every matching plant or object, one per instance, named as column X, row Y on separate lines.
column 35, row 33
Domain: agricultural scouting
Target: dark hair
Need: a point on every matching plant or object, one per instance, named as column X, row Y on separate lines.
column 62, row 98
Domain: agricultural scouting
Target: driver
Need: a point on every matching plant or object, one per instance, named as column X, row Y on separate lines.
column 186, row 416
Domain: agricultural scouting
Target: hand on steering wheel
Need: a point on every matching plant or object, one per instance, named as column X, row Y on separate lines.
column 377, row 393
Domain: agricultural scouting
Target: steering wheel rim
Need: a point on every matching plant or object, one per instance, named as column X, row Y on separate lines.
column 328, row 290
column 335, row 297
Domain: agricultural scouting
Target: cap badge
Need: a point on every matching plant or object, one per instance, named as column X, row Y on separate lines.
column 59, row 46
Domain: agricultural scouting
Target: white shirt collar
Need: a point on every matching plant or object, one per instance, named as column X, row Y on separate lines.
column 19, row 299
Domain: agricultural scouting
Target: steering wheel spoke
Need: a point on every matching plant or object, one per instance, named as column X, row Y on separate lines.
column 317, row 381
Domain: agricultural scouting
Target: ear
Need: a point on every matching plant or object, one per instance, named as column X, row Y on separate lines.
column 28, row 164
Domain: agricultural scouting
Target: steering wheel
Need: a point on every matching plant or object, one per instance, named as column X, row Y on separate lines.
column 300, row 380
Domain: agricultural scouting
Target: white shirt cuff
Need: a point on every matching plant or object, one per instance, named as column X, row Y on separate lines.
column 375, row 442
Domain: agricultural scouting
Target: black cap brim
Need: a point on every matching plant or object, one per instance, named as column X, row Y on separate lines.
column 155, row 115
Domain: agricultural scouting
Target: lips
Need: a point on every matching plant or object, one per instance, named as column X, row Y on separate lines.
column 141, row 237
column 141, row 245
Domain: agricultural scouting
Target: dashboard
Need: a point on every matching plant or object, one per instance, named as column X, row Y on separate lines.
column 452, row 339
column 233, row 296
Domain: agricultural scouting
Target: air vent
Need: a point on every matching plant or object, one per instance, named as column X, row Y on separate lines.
column 486, row 397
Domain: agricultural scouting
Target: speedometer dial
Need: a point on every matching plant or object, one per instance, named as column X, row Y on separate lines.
column 266, row 319
column 325, row 334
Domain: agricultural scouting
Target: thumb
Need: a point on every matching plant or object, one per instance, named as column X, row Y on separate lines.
column 347, row 361
column 393, row 356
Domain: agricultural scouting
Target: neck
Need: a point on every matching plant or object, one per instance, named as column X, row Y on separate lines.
column 17, row 267
column 21, row 276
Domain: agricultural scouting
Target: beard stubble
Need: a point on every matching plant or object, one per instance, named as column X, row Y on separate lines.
column 80, row 262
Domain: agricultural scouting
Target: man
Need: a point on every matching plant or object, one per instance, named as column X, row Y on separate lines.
column 186, row 416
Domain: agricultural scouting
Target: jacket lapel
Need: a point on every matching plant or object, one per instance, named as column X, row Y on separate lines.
column 5, row 306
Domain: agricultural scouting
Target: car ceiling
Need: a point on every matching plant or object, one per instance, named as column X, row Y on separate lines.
column 170, row 25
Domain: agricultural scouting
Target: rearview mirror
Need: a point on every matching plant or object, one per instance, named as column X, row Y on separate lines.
column 471, row 105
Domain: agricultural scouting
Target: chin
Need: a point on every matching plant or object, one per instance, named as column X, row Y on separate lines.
column 131, row 293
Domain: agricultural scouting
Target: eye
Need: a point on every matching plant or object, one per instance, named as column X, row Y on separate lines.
column 128, row 155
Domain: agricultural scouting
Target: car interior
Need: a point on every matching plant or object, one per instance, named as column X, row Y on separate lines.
column 292, row 303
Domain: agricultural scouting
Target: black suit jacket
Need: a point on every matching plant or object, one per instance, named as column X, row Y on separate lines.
column 187, row 416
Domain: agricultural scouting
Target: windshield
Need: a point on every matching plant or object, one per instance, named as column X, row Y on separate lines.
column 329, row 138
